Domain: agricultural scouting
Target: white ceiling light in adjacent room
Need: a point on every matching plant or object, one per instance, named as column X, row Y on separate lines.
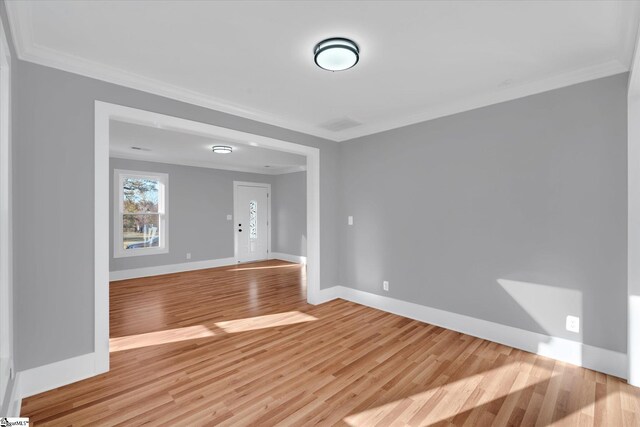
column 336, row 54
column 222, row 149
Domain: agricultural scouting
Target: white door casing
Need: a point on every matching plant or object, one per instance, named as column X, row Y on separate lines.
column 252, row 230
column 6, row 233
column 104, row 113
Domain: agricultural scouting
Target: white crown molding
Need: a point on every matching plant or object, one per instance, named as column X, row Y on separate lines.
column 204, row 164
column 507, row 94
column 19, row 18
column 27, row 50
column 73, row 64
column 573, row 352
column 634, row 79
column 290, row 169
column 628, row 31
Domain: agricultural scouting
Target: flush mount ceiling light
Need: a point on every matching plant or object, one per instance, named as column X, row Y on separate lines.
column 336, row 54
column 221, row 149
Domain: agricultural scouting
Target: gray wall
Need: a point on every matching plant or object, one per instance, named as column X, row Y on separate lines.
column 533, row 190
column 53, row 202
column 289, row 214
column 199, row 201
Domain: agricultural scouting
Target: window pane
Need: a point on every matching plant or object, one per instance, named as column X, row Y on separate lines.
column 253, row 219
column 141, row 230
column 140, row 195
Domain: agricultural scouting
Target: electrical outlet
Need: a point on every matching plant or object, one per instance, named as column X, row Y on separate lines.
column 350, row 220
column 573, row 324
column 188, row 255
column 385, row 286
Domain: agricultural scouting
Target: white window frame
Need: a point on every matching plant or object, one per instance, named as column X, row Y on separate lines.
column 119, row 175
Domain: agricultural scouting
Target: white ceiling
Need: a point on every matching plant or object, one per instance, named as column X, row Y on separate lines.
column 169, row 146
column 419, row 60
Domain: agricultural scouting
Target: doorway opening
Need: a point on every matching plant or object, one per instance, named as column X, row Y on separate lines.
column 105, row 114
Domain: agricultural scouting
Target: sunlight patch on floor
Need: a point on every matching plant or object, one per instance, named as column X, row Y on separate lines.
column 451, row 398
column 203, row 331
column 159, row 337
column 267, row 321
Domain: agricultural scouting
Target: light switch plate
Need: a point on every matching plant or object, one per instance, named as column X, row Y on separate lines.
column 350, row 220
column 229, row 217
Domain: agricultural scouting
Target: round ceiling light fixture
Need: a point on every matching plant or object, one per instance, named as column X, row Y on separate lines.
column 221, row 149
column 336, row 54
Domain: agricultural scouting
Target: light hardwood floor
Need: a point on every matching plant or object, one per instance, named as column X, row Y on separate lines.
column 240, row 346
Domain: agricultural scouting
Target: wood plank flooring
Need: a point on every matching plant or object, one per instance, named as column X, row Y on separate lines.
column 239, row 346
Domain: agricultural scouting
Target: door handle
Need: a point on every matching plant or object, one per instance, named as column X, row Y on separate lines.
column 240, row 230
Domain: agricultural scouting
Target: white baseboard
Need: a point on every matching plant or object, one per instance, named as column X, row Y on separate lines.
column 48, row 377
column 135, row 273
column 596, row 358
column 288, row 257
column 326, row 295
column 11, row 401
column 5, row 377
column 57, row 374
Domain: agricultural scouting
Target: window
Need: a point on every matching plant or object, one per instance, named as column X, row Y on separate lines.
column 141, row 213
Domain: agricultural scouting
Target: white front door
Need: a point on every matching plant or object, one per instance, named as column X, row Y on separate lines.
column 251, row 221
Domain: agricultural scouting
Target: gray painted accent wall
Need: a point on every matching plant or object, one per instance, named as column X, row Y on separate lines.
column 289, row 214
column 198, row 204
column 533, row 190
column 53, row 131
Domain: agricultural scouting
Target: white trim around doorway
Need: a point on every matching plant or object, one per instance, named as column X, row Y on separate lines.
column 7, row 371
column 104, row 113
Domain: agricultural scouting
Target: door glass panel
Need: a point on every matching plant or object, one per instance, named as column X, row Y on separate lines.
column 253, row 219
